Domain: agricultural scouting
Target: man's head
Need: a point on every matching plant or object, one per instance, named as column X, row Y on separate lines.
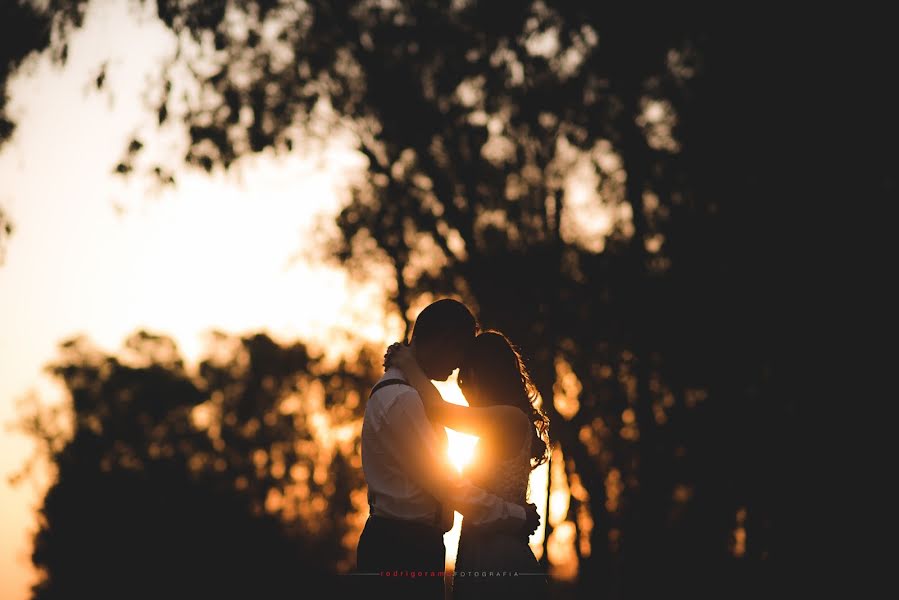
column 443, row 332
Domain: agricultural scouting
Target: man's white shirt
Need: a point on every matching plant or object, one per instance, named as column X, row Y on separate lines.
column 408, row 473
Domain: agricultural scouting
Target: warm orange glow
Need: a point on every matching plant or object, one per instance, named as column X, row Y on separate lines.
column 202, row 416
column 451, row 542
column 739, row 541
column 614, row 487
column 560, row 494
column 259, row 458
column 273, row 501
column 460, row 446
column 682, row 493
column 589, row 436
column 561, row 543
column 738, row 544
column 658, row 413
column 577, row 488
column 629, row 431
column 566, row 390
column 537, row 495
column 584, row 517
column 585, row 528
column 563, row 563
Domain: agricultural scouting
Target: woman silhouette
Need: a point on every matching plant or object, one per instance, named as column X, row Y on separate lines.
column 513, row 439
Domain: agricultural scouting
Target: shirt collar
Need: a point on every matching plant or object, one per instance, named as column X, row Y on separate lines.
column 393, row 373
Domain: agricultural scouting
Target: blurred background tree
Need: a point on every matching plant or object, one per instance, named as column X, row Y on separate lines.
column 242, row 480
column 616, row 191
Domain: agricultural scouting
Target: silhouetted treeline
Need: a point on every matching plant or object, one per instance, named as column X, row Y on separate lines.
column 220, row 483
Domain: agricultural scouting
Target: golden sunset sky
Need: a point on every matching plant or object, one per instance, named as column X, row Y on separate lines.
column 213, row 253
column 92, row 254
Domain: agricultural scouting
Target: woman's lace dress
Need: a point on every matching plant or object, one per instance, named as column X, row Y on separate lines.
column 493, row 564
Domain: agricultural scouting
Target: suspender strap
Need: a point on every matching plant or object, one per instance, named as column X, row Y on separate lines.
column 385, row 383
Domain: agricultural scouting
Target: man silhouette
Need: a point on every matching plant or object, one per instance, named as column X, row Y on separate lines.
column 413, row 489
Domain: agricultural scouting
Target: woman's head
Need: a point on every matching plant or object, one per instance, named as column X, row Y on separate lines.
column 493, row 372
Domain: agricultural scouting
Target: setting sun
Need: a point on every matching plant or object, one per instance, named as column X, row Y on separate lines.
column 461, row 446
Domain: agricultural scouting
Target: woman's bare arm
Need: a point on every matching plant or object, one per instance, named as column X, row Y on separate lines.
column 482, row 421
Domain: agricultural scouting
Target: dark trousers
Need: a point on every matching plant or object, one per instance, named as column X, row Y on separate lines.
column 400, row 559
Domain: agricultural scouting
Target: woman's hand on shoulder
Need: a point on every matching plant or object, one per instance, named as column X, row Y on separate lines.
column 400, row 356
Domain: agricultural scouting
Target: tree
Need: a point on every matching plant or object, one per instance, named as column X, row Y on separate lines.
column 219, row 482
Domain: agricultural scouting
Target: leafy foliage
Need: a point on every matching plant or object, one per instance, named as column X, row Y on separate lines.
column 223, row 482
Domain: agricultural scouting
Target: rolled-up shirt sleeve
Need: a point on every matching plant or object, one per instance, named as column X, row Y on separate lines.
column 412, row 441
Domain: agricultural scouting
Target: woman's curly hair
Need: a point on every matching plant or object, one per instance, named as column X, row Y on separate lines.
column 504, row 379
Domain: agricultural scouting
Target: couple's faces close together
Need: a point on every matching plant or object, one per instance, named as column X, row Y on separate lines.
column 440, row 357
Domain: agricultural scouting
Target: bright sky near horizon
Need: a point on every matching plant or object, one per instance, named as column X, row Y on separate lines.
column 212, row 253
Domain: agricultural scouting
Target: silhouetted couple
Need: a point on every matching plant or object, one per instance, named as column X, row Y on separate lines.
column 414, row 489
